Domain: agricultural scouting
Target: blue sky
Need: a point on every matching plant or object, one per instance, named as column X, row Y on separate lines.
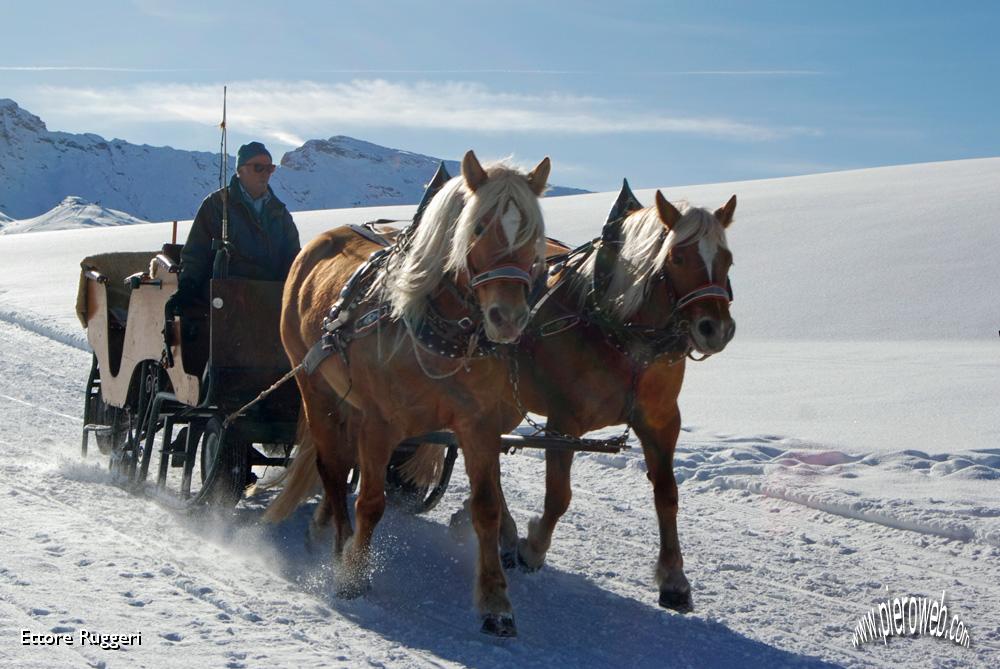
column 661, row 92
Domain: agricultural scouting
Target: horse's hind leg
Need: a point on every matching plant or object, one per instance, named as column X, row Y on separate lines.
column 319, row 521
column 482, row 463
column 658, row 444
column 334, row 453
column 375, row 443
column 532, row 549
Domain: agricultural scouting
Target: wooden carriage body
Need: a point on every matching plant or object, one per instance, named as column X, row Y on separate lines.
column 221, row 355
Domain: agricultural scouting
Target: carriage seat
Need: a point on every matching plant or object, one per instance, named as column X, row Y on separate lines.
column 112, row 270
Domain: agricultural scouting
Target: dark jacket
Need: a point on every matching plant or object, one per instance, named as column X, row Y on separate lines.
column 262, row 247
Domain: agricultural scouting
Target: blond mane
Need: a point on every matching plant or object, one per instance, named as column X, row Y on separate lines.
column 646, row 242
column 442, row 241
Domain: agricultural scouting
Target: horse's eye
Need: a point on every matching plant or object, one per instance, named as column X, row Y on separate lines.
column 478, row 230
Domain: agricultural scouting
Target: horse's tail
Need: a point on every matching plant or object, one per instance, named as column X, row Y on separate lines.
column 424, row 467
column 300, row 479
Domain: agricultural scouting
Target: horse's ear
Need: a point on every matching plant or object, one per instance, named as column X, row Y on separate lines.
column 538, row 178
column 668, row 212
column 725, row 214
column 472, row 171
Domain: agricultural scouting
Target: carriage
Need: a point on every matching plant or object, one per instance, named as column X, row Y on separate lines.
column 171, row 392
column 611, row 325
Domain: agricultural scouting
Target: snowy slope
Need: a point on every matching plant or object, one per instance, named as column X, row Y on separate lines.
column 72, row 213
column 38, row 168
column 845, row 447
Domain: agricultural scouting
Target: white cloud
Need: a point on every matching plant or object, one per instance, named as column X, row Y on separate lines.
column 289, row 110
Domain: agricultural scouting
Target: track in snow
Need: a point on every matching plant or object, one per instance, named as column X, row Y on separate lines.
column 775, row 582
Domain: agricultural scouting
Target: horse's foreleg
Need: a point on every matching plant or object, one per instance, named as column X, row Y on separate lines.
column 482, row 463
column 532, row 549
column 658, row 444
column 508, row 532
column 375, row 443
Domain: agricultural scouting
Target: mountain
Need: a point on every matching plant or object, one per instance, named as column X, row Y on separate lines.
column 39, row 167
column 73, row 212
column 338, row 172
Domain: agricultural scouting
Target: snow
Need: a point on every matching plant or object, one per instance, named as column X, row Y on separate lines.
column 844, row 448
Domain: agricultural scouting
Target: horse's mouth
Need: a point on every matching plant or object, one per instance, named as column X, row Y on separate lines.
column 714, row 342
column 503, row 335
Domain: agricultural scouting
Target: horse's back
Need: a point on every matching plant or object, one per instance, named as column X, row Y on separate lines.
column 314, row 281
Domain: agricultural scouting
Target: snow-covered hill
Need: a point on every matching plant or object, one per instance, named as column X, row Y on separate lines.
column 72, row 213
column 844, row 449
column 38, row 168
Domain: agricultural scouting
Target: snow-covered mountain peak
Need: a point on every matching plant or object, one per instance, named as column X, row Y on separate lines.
column 15, row 121
column 38, row 167
column 341, row 148
column 73, row 212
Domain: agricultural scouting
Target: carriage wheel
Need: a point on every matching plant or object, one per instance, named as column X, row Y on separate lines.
column 414, row 498
column 113, row 421
column 119, row 443
column 225, row 465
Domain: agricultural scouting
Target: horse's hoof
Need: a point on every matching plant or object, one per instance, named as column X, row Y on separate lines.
column 677, row 601
column 509, row 559
column 524, row 565
column 352, row 589
column 499, row 625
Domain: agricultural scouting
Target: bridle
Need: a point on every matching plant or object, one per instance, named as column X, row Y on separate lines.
column 709, row 291
column 513, row 272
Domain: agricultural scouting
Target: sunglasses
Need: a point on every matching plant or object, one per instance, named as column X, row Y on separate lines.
column 258, row 167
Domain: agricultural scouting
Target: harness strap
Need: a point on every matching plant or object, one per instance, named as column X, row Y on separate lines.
column 316, row 355
column 501, row 273
column 711, row 291
column 368, row 232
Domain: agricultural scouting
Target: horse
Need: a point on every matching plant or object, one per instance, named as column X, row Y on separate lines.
column 445, row 295
column 609, row 346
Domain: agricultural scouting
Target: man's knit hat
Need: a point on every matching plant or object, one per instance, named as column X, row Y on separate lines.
column 248, row 151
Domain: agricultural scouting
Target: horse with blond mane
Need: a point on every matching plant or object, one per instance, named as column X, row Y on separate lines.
column 411, row 357
column 609, row 347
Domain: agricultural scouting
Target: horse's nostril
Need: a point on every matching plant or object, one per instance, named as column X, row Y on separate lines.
column 706, row 327
column 495, row 315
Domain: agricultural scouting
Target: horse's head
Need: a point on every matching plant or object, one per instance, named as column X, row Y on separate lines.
column 696, row 268
column 669, row 268
column 499, row 245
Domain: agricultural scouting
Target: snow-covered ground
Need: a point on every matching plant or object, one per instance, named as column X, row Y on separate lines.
column 844, row 449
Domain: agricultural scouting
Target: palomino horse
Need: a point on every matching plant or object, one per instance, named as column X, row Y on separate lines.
column 465, row 270
column 608, row 347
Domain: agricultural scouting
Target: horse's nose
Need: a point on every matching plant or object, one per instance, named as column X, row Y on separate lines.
column 497, row 316
column 706, row 328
